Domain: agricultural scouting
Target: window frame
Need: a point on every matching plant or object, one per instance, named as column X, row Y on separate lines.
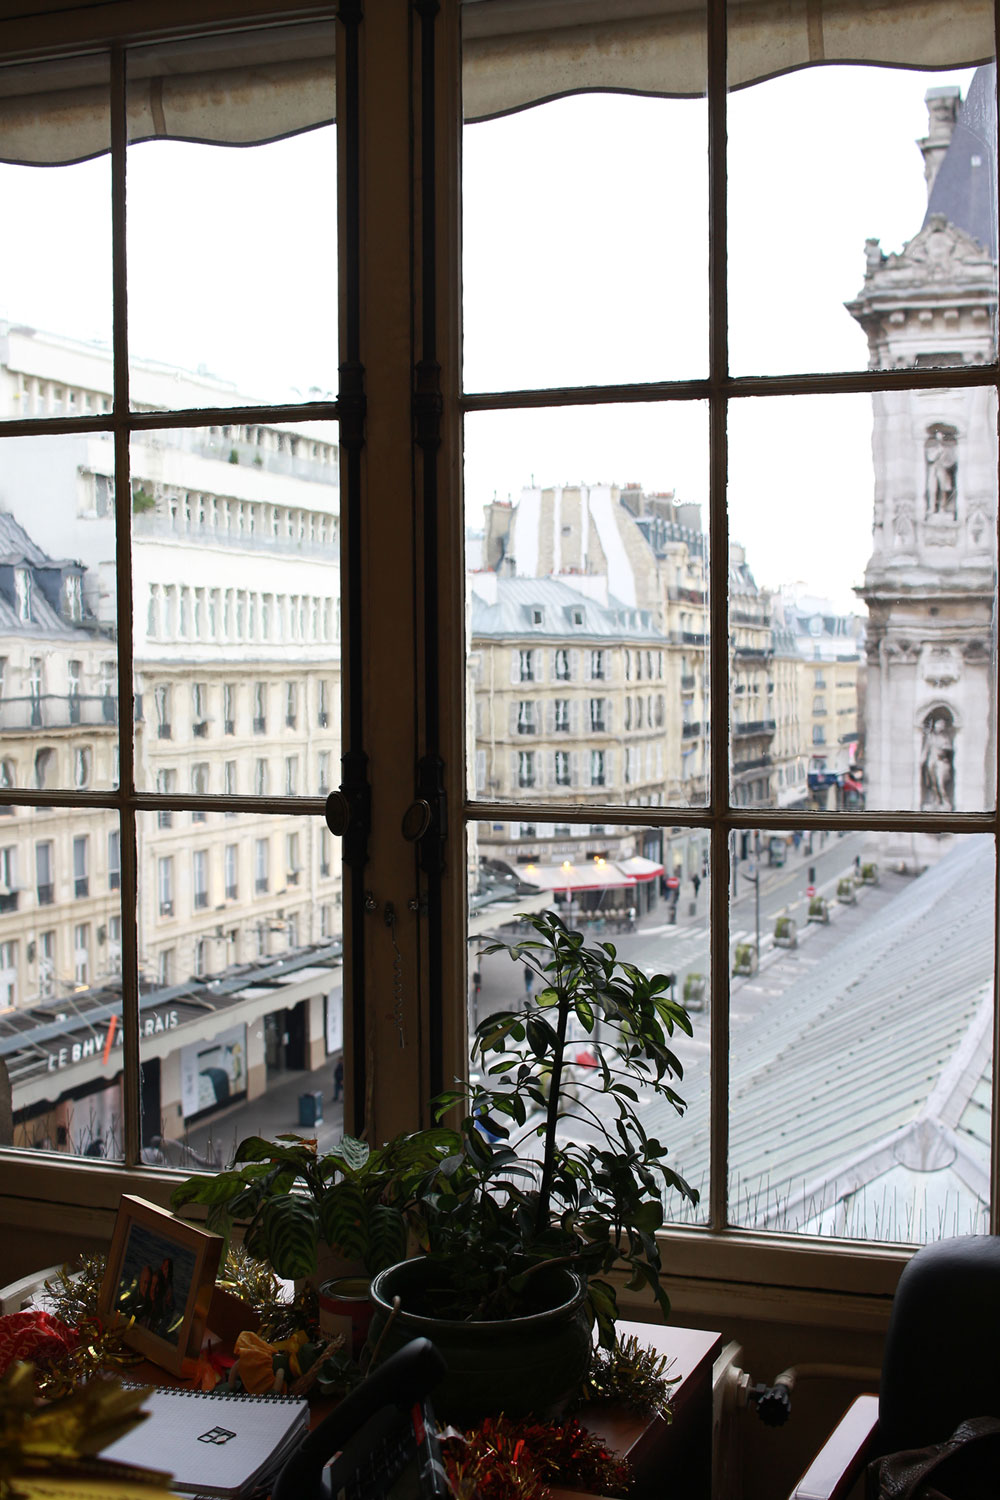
column 433, row 723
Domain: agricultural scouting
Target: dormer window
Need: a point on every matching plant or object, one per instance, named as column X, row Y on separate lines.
column 22, row 593
column 73, row 596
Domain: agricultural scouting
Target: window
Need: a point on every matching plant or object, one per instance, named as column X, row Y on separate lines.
column 22, row 593
column 526, row 768
column 291, row 775
column 561, row 667
column 231, row 863
column 261, row 863
column 597, row 666
column 166, row 784
column 526, row 666
column 199, row 785
column 81, row 878
column 291, row 705
column 44, row 887
column 323, row 704
column 199, row 709
column 260, row 708
column 526, row 717
column 114, row 860
column 260, row 777
column 161, row 700
column 323, row 785
column 74, row 673
column 165, row 885
column 562, row 768
column 744, row 390
column 82, row 762
column 200, row 867
column 36, row 689
column 8, row 878
column 597, row 723
column 46, row 963
column 81, row 953
column 561, row 715
column 293, row 865
column 44, row 766
column 228, row 708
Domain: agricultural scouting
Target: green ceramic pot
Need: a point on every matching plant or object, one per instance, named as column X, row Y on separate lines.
column 530, row 1364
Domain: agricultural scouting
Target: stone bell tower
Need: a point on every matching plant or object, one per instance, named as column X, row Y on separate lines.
column 930, row 582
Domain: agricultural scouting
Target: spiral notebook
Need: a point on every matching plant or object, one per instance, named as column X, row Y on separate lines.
column 213, row 1444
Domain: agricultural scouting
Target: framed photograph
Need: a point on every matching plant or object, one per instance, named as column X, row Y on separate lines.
column 159, row 1279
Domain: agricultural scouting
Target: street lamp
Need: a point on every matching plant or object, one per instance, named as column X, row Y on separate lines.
column 752, row 873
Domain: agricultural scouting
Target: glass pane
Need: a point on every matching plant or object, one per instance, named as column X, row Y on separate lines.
column 58, row 662
column 55, row 266
column 825, row 158
column 575, row 269
column 886, row 706
column 232, row 247
column 856, row 1111
column 646, row 891
column 60, row 979
column 588, row 606
column 240, row 946
column 237, row 610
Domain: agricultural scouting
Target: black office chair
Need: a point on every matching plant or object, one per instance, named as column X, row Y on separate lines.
column 939, row 1364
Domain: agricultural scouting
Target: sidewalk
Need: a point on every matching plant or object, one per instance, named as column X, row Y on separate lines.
column 275, row 1113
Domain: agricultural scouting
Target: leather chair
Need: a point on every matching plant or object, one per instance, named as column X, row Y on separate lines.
column 939, row 1364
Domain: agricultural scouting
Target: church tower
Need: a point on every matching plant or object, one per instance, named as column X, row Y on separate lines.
column 930, row 582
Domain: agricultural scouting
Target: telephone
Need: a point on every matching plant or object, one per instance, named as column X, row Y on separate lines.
column 381, row 1438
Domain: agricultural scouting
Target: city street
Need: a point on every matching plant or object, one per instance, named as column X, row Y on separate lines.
column 657, row 944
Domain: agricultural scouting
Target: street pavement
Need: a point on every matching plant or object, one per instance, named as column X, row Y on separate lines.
column 275, row 1113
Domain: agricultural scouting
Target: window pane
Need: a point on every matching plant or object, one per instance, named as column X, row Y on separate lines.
column 574, row 268
column 231, row 259
column 886, row 706
column 58, row 663
column 238, row 914
column 55, row 283
column 646, row 891
column 232, row 564
column 588, row 607
column 60, row 979
column 861, row 1045
column 825, row 158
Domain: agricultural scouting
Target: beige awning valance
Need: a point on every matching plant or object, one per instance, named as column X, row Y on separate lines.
column 261, row 85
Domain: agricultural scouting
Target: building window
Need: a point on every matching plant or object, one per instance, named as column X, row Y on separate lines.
column 291, row 705
column 199, row 785
column 199, row 709
column 82, row 762
column 563, row 768
column 114, row 860
column 526, row 768
column 597, row 672
column 562, row 716
column 293, row 863
column 161, row 701
column 261, row 863
column 81, row 953
column 291, row 775
column 46, row 964
column 260, row 708
column 44, row 764
column 165, row 884
column 228, row 708
column 597, row 724
column 200, row 958
column 260, row 777
column 200, row 868
column 323, row 705
column 165, row 967
column 561, row 668
column 166, row 784
column 526, row 717
column 597, row 768
column 526, row 666
column 81, row 877
column 324, row 772
column 231, row 865
column 22, row 594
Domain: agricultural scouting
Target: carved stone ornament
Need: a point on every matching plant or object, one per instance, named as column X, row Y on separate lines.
column 937, row 762
column 940, row 665
column 937, row 252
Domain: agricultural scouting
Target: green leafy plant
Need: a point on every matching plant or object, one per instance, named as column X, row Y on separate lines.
column 869, row 873
column 353, row 1199
column 744, row 959
column 819, row 911
column 516, row 1193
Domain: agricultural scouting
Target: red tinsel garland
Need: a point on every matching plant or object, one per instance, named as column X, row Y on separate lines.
column 506, row 1460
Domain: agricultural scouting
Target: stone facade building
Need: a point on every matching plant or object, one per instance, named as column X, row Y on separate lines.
column 930, row 585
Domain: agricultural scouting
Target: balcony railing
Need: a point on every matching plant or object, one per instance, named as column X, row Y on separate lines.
column 753, row 653
column 757, row 764
column 53, row 711
column 690, row 731
column 8, row 901
column 754, row 726
column 200, row 729
column 688, row 681
column 81, row 886
column 46, row 894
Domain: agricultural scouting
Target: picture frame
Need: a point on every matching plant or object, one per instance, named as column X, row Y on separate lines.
column 158, row 1282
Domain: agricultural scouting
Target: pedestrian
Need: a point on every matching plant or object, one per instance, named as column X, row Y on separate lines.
column 338, row 1080
column 696, row 882
column 477, row 982
column 529, row 979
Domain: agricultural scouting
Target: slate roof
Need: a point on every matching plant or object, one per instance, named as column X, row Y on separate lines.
column 964, row 187
column 860, row 1091
column 518, row 598
column 18, row 550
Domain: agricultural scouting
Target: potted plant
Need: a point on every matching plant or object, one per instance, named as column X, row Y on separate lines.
column 819, row 909
column 524, row 1224
column 300, row 1208
column 785, row 932
column 694, row 991
column 744, row 959
column 846, row 891
column 869, row 873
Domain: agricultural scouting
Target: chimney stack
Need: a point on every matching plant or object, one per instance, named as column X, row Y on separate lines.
column 942, row 112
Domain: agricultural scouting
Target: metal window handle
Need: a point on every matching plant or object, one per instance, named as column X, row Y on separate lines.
column 416, row 820
column 338, row 813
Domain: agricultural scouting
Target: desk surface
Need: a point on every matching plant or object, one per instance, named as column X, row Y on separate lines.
column 652, row 1445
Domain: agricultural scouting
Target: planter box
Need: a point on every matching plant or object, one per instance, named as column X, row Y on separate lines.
column 847, row 893
column 786, row 933
column 744, row 959
column 694, row 991
column 819, row 910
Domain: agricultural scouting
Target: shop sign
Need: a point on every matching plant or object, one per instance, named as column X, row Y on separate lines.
column 90, row 1046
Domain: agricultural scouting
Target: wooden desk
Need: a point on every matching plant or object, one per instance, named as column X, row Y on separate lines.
column 674, row 1457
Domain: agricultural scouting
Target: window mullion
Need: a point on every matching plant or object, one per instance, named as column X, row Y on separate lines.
column 123, row 585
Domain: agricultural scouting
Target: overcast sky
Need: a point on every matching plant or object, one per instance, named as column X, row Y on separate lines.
column 585, row 260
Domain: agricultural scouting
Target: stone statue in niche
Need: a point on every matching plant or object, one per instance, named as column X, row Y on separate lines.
column 937, row 763
column 941, row 459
